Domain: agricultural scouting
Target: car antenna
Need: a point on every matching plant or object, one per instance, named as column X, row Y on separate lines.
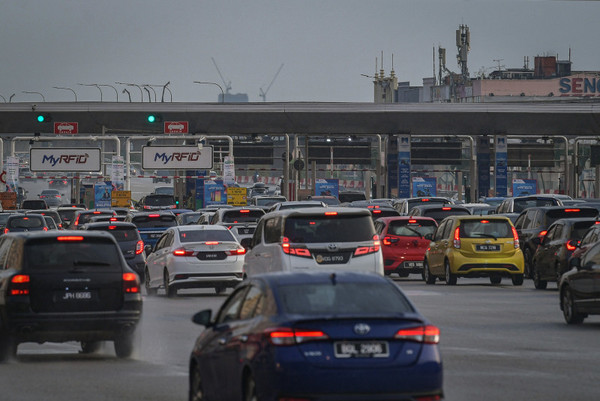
column 332, row 277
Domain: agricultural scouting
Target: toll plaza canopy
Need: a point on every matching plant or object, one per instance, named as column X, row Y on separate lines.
column 544, row 118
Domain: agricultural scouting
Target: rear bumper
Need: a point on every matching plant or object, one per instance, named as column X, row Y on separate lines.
column 205, row 280
column 79, row 326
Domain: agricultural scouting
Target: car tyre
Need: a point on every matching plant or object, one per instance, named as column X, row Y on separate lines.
column 149, row 290
column 427, row 276
column 196, row 391
column 450, row 277
column 90, row 347
column 170, row 291
column 495, row 280
column 568, row 307
column 250, row 390
column 538, row 283
column 124, row 345
column 528, row 264
column 517, row 279
column 8, row 346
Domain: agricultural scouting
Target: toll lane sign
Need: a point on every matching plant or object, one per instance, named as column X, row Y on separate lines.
column 66, row 127
column 176, row 127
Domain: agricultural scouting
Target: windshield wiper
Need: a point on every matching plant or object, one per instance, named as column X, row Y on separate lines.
column 486, row 235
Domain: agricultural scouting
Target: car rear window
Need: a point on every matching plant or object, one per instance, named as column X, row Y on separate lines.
column 241, row 216
column 26, row 222
column 321, row 228
column 205, row 235
column 580, row 228
column 485, row 228
column 159, row 200
column 412, row 228
column 72, row 253
column 522, row 204
column 153, row 221
column 121, row 234
column 86, row 217
column 553, row 215
column 378, row 213
column 342, row 298
column 426, row 201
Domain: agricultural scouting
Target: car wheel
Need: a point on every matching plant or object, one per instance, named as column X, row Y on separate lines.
column 517, row 279
column 90, row 347
column 427, row 276
column 450, row 277
column 196, row 392
column 170, row 291
column 149, row 290
column 495, row 279
column 527, row 262
column 537, row 281
column 8, row 346
column 124, row 345
column 568, row 307
column 250, row 390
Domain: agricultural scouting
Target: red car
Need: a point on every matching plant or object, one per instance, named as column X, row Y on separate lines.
column 403, row 243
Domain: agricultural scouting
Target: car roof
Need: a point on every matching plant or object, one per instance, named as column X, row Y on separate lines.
column 201, row 227
column 389, row 219
column 320, row 277
column 99, row 224
column 438, row 206
column 311, row 211
column 60, row 233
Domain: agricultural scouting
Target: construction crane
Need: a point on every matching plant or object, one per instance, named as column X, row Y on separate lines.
column 263, row 94
column 227, row 84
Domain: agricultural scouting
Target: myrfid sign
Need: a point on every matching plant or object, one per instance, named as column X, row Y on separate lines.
column 64, row 159
column 177, row 157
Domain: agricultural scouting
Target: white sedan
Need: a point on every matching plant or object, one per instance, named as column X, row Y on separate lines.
column 194, row 256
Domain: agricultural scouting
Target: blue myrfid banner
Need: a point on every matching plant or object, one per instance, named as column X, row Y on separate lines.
column 327, row 187
column 404, row 166
column 501, row 166
column 424, row 186
column 103, row 195
column 214, row 193
column 524, row 187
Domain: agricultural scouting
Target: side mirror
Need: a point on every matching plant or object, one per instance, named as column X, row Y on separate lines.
column 203, row 318
column 148, row 249
column 429, row 236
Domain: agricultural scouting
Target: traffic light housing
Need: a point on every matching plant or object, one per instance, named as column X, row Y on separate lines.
column 43, row 118
column 153, row 118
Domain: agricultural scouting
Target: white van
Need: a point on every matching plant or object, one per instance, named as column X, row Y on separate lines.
column 315, row 238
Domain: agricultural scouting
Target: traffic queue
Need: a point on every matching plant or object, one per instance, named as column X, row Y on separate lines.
column 314, row 292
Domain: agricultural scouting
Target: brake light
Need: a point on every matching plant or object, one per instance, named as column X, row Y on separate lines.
column 212, row 242
column 515, row 237
column 45, row 228
column 96, row 212
column 331, row 213
column 131, row 283
column 543, row 234
column 457, row 237
column 139, row 247
column 287, row 336
column 425, row 200
column 70, row 238
column 113, row 219
column 570, row 246
column 244, row 211
column 237, row 251
column 422, row 334
column 365, row 250
column 6, row 231
column 290, row 250
column 183, row 252
column 375, row 211
column 19, row 284
column 484, row 221
column 572, row 210
column 446, row 208
column 153, row 215
column 412, row 221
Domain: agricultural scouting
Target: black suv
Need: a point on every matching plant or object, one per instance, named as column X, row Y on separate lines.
column 156, row 202
column 535, row 220
column 63, row 286
column 129, row 240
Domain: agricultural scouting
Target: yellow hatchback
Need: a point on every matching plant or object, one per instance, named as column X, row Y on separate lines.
column 474, row 246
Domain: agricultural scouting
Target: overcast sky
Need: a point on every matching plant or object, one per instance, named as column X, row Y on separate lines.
column 325, row 45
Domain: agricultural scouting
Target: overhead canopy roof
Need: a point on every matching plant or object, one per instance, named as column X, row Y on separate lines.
column 552, row 118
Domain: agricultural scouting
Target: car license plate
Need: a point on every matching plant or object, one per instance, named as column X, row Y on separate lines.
column 332, row 258
column 246, row 231
column 487, row 247
column 157, row 235
column 408, row 265
column 361, row 349
column 73, row 296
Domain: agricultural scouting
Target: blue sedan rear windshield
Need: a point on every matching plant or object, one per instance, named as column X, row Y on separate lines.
column 342, row 298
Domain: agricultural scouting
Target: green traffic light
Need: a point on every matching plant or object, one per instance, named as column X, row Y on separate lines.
column 41, row 118
column 151, row 118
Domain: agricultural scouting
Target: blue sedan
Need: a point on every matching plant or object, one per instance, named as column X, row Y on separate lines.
column 316, row 336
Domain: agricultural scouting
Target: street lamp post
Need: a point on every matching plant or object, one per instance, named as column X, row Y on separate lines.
column 130, row 84
column 3, row 98
column 96, row 85
column 69, row 89
column 152, row 89
column 115, row 89
column 213, row 83
column 37, row 93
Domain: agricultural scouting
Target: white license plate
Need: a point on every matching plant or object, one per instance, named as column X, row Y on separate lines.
column 485, row 247
column 413, row 264
column 361, row 349
column 69, row 296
